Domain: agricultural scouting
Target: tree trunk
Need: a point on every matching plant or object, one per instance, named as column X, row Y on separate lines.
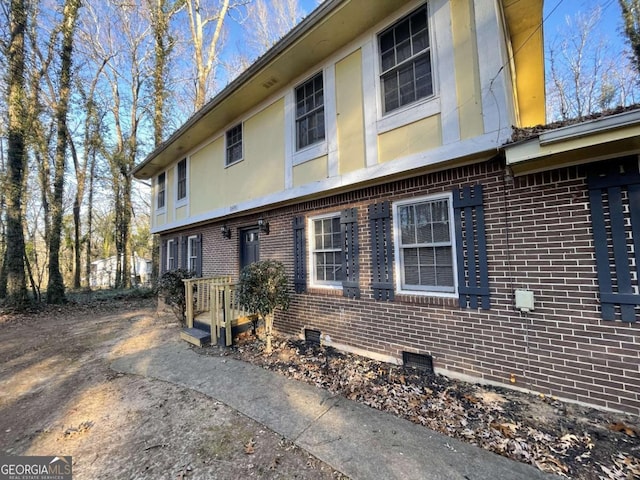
column 13, row 286
column 55, row 287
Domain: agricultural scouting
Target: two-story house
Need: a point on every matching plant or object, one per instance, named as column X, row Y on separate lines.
column 372, row 151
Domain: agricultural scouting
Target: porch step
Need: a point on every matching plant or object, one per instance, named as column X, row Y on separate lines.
column 196, row 336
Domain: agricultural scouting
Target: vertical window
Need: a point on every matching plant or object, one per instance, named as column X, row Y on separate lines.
column 234, row 144
column 310, row 112
column 171, row 255
column 161, row 182
column 182, row 179
column 405, row 61
column 326, row 246
column 192, row 253
column 425, row 245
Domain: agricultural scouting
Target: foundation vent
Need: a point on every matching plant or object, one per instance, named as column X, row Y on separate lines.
column 312, row 336
column 419, row 361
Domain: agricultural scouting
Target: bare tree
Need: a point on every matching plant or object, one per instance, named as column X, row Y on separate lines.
column 631, row 18
column 55, row 286
column 13, row 281
column 206, row 44
column 586, row 76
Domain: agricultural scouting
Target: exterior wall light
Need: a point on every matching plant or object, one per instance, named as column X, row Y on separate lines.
column 263, row 226
column 226, row 231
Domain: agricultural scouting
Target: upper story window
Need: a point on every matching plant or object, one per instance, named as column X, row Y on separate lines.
column 326, row 251
column 405, row 61
column 182, row 179
column 310, row 112
column 161, row 187
column 425, row 245
column 234, row 144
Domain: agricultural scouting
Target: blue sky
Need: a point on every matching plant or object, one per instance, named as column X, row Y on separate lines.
column 610, row 25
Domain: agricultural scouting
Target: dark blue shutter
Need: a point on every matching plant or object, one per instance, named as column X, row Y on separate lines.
column 381, row 251
column 299, row 256
column 471, row 248
column 163, row 257
column 174, row 251
column 199, row 255
column 184, row 248
column 350, row 253
column 614, row 198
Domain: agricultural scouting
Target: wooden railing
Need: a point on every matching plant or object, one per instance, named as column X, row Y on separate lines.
column 216, row 295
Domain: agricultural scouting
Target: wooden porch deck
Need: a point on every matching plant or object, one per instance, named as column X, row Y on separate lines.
column 212, row 311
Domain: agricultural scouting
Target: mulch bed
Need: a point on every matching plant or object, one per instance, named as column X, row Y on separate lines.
column 562, row 438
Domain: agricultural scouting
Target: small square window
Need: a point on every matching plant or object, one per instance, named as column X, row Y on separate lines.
column 234, row 144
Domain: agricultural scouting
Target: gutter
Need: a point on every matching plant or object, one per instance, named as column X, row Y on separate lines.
column 307, row 24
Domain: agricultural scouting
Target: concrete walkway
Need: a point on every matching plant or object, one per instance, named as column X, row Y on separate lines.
column 359, row 441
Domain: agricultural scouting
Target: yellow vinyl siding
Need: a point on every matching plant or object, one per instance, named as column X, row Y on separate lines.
column 350, row 115
column 260, row 173
column 467, row 70
column 207, row 172
column 311, row 171
column 420, row 136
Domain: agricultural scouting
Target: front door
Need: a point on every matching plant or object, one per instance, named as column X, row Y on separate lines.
column 249, row 247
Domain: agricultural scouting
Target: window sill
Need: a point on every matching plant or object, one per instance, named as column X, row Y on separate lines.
column 182, row 202
column 408, row 114
column 160, row 211
column 310, row 153
column 328, row 290
column 427, row 299
column 227, row 165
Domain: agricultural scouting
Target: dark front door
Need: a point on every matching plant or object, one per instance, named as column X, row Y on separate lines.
column 249, row 247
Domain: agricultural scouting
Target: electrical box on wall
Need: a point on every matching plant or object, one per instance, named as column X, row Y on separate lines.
column 524, row 300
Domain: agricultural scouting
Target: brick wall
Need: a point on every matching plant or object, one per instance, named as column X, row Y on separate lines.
column 539, row 237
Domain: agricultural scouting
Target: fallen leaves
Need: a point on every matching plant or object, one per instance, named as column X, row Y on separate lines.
column 534, row 429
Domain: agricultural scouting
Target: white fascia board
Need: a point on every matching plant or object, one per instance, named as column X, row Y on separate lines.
column 485, row 143
column 590, row 127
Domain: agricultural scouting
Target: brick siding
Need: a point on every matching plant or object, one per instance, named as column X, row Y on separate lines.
column 539, row 237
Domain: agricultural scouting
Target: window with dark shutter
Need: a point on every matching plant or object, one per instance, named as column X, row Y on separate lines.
column 614, row 198
column 299, row 256
column 381, row 252
column 471, row 248
column 350, row 253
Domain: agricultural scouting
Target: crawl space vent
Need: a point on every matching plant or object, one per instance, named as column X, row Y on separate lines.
column 312, row 336
column 419, row 361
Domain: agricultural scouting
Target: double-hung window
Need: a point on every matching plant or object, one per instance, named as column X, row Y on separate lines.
column 171, row 260
column 234, row 144
column 405, row 61
column 161, row 187
column 425, row 245
column 182, row 179
column 326, row 251
column 192, row 253
column 310, row 112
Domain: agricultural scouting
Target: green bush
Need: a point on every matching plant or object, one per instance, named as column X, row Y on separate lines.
column 171, row 288
column 261, row 290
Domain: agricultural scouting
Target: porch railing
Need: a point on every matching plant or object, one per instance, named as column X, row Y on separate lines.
column 217, row 296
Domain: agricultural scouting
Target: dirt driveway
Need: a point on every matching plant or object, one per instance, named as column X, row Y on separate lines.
column 58, row 396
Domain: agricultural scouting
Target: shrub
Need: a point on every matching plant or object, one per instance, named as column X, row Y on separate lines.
column 261, row 290
column 171, row 287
